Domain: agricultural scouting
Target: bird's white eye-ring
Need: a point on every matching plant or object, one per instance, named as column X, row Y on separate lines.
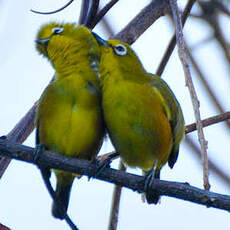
column 120, row 50
column 57, row 30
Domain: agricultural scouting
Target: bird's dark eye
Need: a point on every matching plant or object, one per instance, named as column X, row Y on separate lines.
column 120, row 50
column 57, row 30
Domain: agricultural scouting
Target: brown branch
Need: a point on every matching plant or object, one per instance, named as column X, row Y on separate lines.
column 19, row 134
column 172, row 43
column 209, row 121
column 164, row 188
column 3, row 227
column 114, row 211
column 195, row 102
column 143, row 21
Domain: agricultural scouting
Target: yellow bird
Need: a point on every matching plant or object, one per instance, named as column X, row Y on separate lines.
column 69, row 116
column 142, row 115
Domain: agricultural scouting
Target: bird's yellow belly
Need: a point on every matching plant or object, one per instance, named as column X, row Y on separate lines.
column 138, row 127
column 71, row 130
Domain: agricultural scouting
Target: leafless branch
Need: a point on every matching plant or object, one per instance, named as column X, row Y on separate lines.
column 84, row 11
column 184, row 57
column 92, row 12
column 102, row 13
column 19, row 134
column 172, row 43
column 164, row 188
column 114, row 211
column 143, row 21
column 3, row 227
column 208, row 121
column 55, row 11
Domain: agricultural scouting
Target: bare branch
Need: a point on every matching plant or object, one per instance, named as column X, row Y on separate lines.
column 102, row 13
column 84, row 12
column 19, row 134
column 184, row 57
column 55, row 11
column 164, row 188
column 3, row 227
column 92, row 12
column 143, row 21
column 114, row 210
column 172, row 43
column 209, row 121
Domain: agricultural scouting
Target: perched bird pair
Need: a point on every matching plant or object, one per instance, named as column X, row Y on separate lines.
column 100, row 80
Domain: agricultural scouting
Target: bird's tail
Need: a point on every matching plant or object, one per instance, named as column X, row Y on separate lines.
column 61, row 201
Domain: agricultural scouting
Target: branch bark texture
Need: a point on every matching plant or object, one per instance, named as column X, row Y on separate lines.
column 134, row 182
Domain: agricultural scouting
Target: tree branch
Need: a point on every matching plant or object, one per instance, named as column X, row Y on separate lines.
column 195, row 102
column 143, row 21
column 3, row 227
column 54, row 11
column 173, row 189
column 19, row 134
column 102, row 13
column 114, row 210
column 172, row 42
column 209, row 121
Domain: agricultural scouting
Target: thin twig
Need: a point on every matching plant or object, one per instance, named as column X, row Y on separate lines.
column 209, row 121
column 55, row 11
column 102, row 13
column 106, row 156
column 172, row 42
column 173, row 189
column 114, row 211
column 184, row 57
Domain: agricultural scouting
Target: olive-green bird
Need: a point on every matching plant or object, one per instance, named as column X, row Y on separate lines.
column 142, row 115
column 69, row 116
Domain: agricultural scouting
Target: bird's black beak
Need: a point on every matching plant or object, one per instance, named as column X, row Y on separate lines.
column 43, row 42
column 100, row 41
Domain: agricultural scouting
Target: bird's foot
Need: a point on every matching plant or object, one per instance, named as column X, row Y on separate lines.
column 151, row 197
column 102, row 164
column 39, row 149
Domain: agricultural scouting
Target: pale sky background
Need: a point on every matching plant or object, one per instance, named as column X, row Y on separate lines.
column 25, row 203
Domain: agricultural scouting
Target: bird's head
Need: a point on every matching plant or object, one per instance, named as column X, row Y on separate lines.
column 65, row 42
column 118, row 54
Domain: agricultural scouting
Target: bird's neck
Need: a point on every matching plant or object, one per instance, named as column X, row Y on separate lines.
column 81, row 66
